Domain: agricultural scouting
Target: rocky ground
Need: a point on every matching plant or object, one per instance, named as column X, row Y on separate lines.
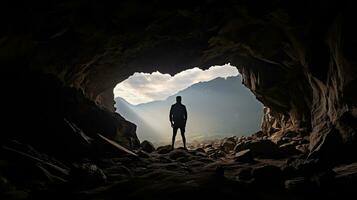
column 254, row 167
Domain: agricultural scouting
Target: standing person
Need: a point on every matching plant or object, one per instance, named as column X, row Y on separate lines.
column 178, row 118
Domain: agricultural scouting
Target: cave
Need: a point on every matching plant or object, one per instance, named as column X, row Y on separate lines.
column 62, row 138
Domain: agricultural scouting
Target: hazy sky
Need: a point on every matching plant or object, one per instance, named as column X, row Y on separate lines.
column 145, row 87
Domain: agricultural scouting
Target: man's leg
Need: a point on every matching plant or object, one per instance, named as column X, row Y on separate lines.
column 174, row 129
column 182, row 130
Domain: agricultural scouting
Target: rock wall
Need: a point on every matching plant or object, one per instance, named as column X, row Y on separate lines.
column 297, row 57
column 312, row 93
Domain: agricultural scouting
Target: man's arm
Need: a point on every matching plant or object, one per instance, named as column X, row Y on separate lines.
column 170, row 115
column 185, row 114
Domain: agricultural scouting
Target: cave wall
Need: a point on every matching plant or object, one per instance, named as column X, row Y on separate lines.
column 297, row 57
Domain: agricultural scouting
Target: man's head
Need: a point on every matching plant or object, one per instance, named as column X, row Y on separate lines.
column 178, row 99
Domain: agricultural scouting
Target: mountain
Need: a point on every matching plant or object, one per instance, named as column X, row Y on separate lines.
column 217, row 108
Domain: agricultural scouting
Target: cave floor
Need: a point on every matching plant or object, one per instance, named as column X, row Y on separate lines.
column 173, row 174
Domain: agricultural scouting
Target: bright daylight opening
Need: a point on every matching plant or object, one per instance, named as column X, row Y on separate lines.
column 218, row 104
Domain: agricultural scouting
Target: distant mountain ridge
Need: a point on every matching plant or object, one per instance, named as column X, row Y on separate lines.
column 221, row 106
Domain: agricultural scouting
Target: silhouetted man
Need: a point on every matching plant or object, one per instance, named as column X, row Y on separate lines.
column 178, row 118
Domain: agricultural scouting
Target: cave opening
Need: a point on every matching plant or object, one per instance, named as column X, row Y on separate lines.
column 217, row 102
column 62, row 139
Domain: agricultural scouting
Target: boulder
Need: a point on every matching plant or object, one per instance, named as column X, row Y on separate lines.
column 88, row 175
column 200, row 150
column 245, row 174
column 289, row 149
column 298, row 184
column 292, row 134
column 258, row 134
column 228, row 145
column 184, row 159
column 142, row 154
column 259, row 148
column 324, row 179
column 217, row 154
column 268, row 175
column 306, row 167
column 264, row 148
column 231, row 139
column 244, row 156
column 283, row 140
column 178, row 153
column 164, row 149
column 346, row 176
column 147, row 146
column 303, row 148
column 242, row 146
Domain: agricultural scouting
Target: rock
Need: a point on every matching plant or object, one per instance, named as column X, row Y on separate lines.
column 4, row 184
column 239, row 139
column 164, row 149
column 217, row 154
column 268, row 175
column 303, row 148
column 143, row 154
column 244, row 156
column 258, row 134
column 200, row 150
column 147, row 146
column 306, row 167
column 211, row 150
column 281, row 136
column 304, row 140
column 298, row 184
column 242, row 146
column 283, row 140
column 183, row 159
column 289, row 172
column 231, row 139
column 259, row 148
column 289, row 149
column 195, row 163
column 162, row 159
column 263, row 148
column 228, row 145
column 324, row 179
column 346, row 171
column 291, row 134
column 346, row 176
column 119, row 169
column 17, row 195
column 87, row 175
column 245, row 174
column 178, row 153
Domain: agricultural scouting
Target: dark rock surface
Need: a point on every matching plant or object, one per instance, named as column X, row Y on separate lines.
column 28, row 174
column 62, row 59
column 259, row 148
column 297, row 65
column 147, row 146
column 244, row 156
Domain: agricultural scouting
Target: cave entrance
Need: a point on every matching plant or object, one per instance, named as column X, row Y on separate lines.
column 218, row 104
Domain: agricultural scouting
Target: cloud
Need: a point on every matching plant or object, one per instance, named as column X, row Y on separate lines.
column 145, row 87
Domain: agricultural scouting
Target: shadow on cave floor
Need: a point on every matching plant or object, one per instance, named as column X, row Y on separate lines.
column 250, row 167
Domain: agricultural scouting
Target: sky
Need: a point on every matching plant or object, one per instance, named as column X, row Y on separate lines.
column 146, row 87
